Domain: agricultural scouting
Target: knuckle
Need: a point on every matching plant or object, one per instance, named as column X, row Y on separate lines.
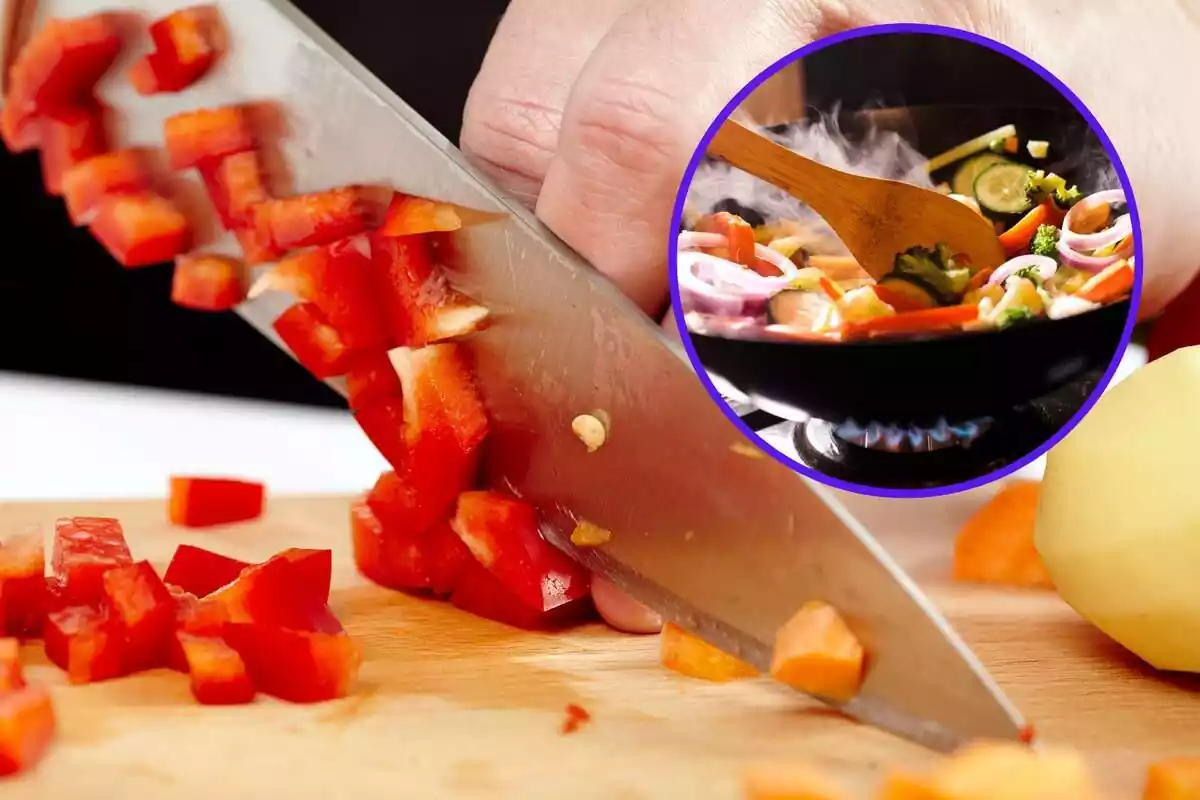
column 510, row 135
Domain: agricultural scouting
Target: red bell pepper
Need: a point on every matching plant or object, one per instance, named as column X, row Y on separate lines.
column 187, row 43
column 142, row 611
column 383, row 423
column 256, row 248
column 23, row 585
column 207, row 135
column 481, row 593
column 281, row 591
column 203, row 502
column 319, row 218
column 371, row 379
column 313, row 568
column 141, row 229
column 218, row 674
column 315, row 343
column 194, row 617
column 389, row 558
column 235, row 186
column 85, row 184
column 85, row 643
column 339, row 280
column 422, row 307
column 201, row 572
column 502, row 533
column 84, row 549
column 447, row 559
column 68, row 137
column 12, row 677
column 410, row 216
column 295, row 665
column 26, row 728
column 207, row 283
column 19, row 132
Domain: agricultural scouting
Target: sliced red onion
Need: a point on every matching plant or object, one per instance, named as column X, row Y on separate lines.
column 781, row 262
column 1045, row 266
column 1094, row 241
column 693, row 240
column 719, row 286
column 1085, row 263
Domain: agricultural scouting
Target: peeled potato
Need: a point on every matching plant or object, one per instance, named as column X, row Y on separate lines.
column 1118, row 525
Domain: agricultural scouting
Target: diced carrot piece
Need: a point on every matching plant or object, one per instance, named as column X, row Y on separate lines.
column 11, row 675
column 929, row 320
column 207, row 283
column 319, row 218
column 141, row 229
column 816, row 652
column 235, row 186
column 790, row 782
column 903, row 786
column 218, row 674
column 409, row 216
column 85, row 184
column 1010, row 771
column 1173, row 779
column 194, row 137
column 315, row 343
column 996, row 544
column 1110, row 283
column 26, row 728
column 70, row 136
column 688, row 655
column 740, row 248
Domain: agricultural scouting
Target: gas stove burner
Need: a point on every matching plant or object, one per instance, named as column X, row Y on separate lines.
column 894, row 438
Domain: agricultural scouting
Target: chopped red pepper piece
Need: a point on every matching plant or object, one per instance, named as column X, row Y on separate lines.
column 12, row 677
column 187, row 43
column 447, row 559
column 26, row 728
column 202, row 502
column 218, row 674
column 85, row 184
column 85, row 643
column 68, row 137
column 389, row 557
column 23, row 585
column 502, row 533
column 207, row 283
column 195, row 137
column 285, row 590
column 84, row 549
column 256, row 248
column 143, row 611
column 314, row 568
column 315, row 343
column 20, row 133
column 409, row 216
column 294, row 665
column 141, row 229
column 201, row 572
column 576, row 717
column 235, row 186
column 371, row 379
column 192, row 616
column 319, row 218
column 422, row 306
column 339, row 280
column 482, row 594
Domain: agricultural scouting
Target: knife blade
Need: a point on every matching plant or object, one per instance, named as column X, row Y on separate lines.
column 726, row 545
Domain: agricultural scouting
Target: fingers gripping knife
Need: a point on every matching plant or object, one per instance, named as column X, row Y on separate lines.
column 726, row 545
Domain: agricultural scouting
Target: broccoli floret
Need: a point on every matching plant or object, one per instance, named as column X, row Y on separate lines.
column 1030, row 274
column 1040, row 185
column 936, row 269
column 922, row 258
column 1013, row 316
column 1045, row 241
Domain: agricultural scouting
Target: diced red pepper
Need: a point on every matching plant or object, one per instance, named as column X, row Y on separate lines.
column 143, row 611
column 422, row 307
column 187, row 43
column 389, row 557
column 502, row 533
column 70, row 136
column 256, row 248
column 207, row 283
column 201, row 572
column 192, row 616
column 85, row 643
column 482, row 594
column 315, row 343
column 410, row 216
column 314, row 568
column 319, row 218
column 371, row 379
column 195, row 137
column 23, row 585
column 235, row 186
column 447, row 559
column 281, row 591
column 198, row 502
column 339, row 280
column 218, row 674
column 84, row 549
column 297, row 666
column 383, row 423
column 26, row 728
column 85, row 184
column 12, row 677
column 141, row 229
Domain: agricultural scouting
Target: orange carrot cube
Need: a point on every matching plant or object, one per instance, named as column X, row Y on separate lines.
column 696, row 658
column 996, row 544
column 816, row 652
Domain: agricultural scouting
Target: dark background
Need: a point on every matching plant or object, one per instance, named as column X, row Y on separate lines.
column 68, row 310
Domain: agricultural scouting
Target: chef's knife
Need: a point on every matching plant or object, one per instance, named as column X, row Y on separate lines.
column 725, row 544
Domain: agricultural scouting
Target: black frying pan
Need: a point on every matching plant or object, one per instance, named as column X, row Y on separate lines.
column 959, row 375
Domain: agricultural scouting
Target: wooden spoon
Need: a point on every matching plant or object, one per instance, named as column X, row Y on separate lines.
column 875, row 218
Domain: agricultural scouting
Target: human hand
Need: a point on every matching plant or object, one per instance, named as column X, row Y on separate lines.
column 589, row 111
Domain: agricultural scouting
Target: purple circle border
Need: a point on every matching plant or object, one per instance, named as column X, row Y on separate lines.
column 876, row 30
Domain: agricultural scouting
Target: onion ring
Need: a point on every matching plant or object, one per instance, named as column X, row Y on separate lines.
column 1045, row 266
column 1095, row 241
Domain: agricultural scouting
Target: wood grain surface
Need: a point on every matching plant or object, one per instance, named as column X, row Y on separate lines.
column 453, row 706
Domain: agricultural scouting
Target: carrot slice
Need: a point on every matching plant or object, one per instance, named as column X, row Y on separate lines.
column 928, row 320
column 1173, row 779
column 1016, row 239
column 740, row 236
column 902, row 786
column 816, row 652
column 696, row 658
column 978, row 769
column 789, row 782
column 1110, row 283
column 996, row 544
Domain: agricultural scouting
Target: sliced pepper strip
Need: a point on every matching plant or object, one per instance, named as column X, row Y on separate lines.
column 315, row 343
column 235, row 185
column 201, row 502
column 319, row 218
column 370, row 380
column 194, row 137
column 924, row 321
column 422, row 306
column 409, row 216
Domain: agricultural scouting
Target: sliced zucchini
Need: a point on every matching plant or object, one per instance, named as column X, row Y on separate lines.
column 963, row 181
column 797, row 308
column 912, row 288
column 1000, row 188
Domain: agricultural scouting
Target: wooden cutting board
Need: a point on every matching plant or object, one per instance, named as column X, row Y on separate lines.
column 453, row 706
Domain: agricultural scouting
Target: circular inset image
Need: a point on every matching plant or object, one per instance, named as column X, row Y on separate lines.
column 906, row 260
